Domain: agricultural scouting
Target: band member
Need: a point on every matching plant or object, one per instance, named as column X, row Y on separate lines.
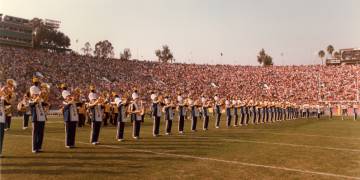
column 121, row 119
column 273, row 112
column 242, row 111
column 266, row 109
column 205, row 112
column 80, row 100
column 71, row 116
column 330, row 110
column 193, row 106
column 253, row 105
column 96, row 114
column 156, row 113
column 217, row 110
column 344, row 111
column 107, row 108
column 24, row 108
column 355, row 109
column 247, row 112
column 8, row 95
column 296, row 110
column 228, row 107
column 263, row 112
column 82, row 112
column 2, row 123
column 284, row 107
column 44, row 94
column 114, row 110
column 38, row 115
column 136, row 110
column 181, row 112
column 3, row 103
column 318, row 110
column 236, row 109
column 169, row 114
column 260, row 111
column 280, row 112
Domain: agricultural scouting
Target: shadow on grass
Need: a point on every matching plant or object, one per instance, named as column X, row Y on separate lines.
column 109, row 165
column 65, row 172
column 131, row 156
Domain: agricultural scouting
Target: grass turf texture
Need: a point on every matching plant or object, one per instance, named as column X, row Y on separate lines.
column 296, row 149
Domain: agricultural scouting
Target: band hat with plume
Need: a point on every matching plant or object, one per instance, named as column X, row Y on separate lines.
column 65, row 93
column 93, row 96
column 153, row 96
column 167, row 100
column 11, row 82
column 92, row 87
column 45, row 85
column 114, row 94
column 63, row 85
column 77, row 90
column 35, row 79
column 117, row 101
column 34, row 90
column 180, row 98
column 203, row 99
column 135, row 96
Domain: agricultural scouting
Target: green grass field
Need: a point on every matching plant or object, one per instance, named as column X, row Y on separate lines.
column 298, row 149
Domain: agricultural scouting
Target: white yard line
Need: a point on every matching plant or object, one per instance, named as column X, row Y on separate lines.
column 300, row 134
column 214, row 159
column 274, row 133
column 292, row 145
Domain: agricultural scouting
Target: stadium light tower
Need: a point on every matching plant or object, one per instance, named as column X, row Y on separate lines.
column 33, row 37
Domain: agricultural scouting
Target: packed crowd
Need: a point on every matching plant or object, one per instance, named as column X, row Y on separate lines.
column 299, row 84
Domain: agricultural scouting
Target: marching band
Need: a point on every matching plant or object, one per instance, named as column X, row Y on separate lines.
column 37, row 103
column 71, row 116
column 103, row 107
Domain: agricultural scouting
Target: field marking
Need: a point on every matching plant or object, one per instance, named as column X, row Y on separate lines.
column 300, row 134
column 270, row 129
column 293, row 145
column 284, row 144
column 214, row 159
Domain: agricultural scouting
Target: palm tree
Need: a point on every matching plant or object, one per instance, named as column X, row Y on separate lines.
column 321, row 55
column 164, row 55
column 261, row 56
column 87, row 49
column 264, row 58
column 158, row 54
column 330, row 49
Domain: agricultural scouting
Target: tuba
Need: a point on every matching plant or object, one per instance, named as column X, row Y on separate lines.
column 76, row 94
column 8, row 91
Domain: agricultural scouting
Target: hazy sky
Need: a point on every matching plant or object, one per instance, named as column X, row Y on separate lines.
column 199, row 30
